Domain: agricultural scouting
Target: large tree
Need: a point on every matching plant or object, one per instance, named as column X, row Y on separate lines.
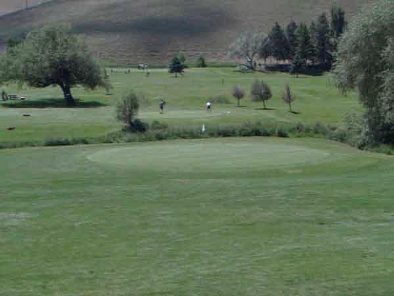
column 323, row 44
column 279, row 44
column 292, row 39
column 338, row 20
column 305, row 49
column 177, row 66
column 52, row 55
column 247, row 47
column 366, row 62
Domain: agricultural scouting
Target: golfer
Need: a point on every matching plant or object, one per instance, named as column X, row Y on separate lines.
column 209, row 106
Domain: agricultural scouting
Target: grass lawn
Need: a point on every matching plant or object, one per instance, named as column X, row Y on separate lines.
column 317, row 101
column 255, row 216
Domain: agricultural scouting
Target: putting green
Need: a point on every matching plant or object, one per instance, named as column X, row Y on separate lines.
column 211, row 155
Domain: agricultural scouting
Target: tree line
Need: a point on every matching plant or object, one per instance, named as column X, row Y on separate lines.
column 297, row 45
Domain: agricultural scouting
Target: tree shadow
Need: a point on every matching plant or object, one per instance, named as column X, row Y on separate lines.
column 52, row 103
column 242, row 106
column 265, row 109
column 295, row 112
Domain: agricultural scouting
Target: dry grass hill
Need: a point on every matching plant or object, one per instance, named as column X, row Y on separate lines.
column 9, row 6
column 130, row 31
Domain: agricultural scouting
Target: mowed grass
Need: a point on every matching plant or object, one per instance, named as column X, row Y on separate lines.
column 317, row 101
column 256, row 216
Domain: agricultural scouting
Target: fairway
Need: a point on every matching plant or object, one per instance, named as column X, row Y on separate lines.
column 234, row 216
column 317, row 101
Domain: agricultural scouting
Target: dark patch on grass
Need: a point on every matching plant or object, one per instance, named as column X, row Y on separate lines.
column 265, row 109
column 52, row 103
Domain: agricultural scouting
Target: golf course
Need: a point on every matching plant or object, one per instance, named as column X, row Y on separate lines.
column 210, row 148
column 230, row 216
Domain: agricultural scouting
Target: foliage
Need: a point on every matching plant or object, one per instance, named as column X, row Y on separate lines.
column 201, row 62
column 366, row 62
column 52, row 56
column 238, row 93
column 127, row 109
column 298, row 65
column 288, row 97
column 292, row 38
column 305, row 49
column 279, row 44
column 323, row 43
column 260, row 91
column 176, row 66
column 338, row 20
column 247, row 47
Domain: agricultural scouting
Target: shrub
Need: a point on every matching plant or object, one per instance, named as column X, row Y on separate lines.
column 127, row 109
column 201, row 62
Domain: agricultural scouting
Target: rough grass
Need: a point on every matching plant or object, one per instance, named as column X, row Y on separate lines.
column 152, row 31
column 206, row 217
column 317, row 101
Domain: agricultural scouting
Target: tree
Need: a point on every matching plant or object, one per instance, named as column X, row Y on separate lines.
column 201, row 62
column 260, row 91
column 52, row 55
column 292, row 39
column 323, row 43
column 288, row 97
column 313, row 38
column 238, row 93
column 366, row 62
column 176, row 66
column 247, row 47
column 298, row 65
column 305, row 50
column 278, row 43
column 338, row 20
column 127, row 109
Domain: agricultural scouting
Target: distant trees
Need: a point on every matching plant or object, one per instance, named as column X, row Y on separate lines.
column 366, row 62
column 238, row 93
column 247, row 47
column 177, row 65
column 52, row 55
column 260, row 92
column 300, row 45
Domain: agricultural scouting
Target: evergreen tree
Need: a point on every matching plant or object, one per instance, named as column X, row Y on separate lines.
column 278, row 43
column 305, row 50
column 313, row 36
column 323, row 43
column 176, row 66
column 298, row 65
column 292, row 39
column 338, row 21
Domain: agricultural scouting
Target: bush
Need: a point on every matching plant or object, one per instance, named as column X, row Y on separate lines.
column 201, row 62
column 127, row 108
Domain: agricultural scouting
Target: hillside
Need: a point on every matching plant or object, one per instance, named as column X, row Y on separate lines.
column 9, row 6
column 153, row 30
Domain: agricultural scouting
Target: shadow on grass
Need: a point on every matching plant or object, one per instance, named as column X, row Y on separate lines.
column 265, row 109
column 295, row 112
column 52, row 103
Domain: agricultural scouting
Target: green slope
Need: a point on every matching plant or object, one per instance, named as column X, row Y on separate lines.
column 152, row 30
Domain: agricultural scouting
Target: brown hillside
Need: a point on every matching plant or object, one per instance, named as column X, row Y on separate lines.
column 131, row 31
column 9, row 6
